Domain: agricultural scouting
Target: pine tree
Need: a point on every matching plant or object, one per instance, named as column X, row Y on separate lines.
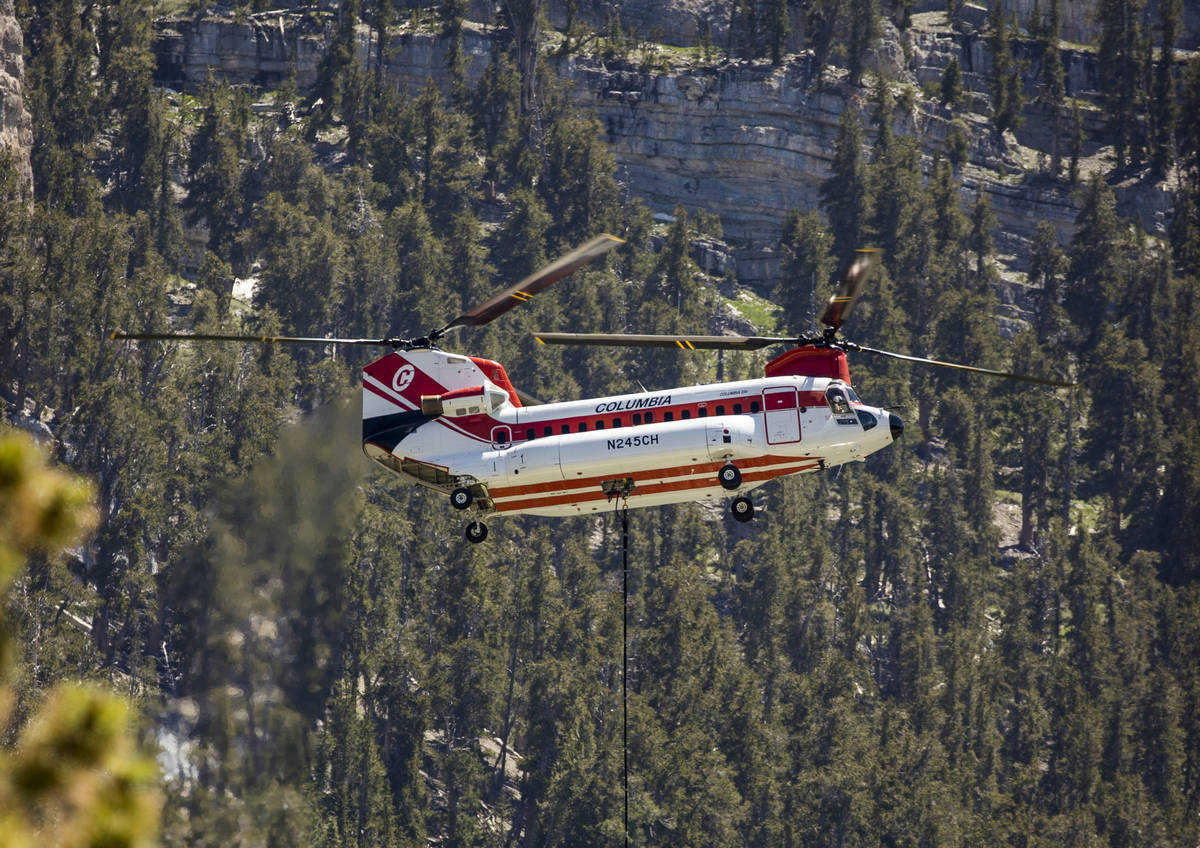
column 780, row 28
column 214, row 180
column 673, row 301
column 844, row 193
column 1076, row 144
column 806, row 269
column 126, row 66
column 1053, row 87
column 1120, row 63
column 1099, row 262
column 952, row 90
column 1007, row 96
column 64, row 103
column 1165, row 112
column 524, row 18
column 862, row 36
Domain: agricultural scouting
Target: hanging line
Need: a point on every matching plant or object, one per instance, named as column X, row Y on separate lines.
column 624, row 507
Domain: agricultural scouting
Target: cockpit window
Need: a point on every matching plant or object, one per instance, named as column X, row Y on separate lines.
column 850, row 393
column 838, row 404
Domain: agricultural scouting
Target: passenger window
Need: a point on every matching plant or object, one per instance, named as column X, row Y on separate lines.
column 547, row 431
column 649, row 417
column 687, row 413
column 704, row 412
column 637, row 418
column 599, row 424
column 737, row 409
column 582, row 426
column 720, row 409
column 529, row 433
column 754, row 407
column 668, row 416
column 617, row 422
column 566, row 428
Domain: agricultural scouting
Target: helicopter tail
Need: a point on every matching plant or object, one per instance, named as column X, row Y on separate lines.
column 398, row 388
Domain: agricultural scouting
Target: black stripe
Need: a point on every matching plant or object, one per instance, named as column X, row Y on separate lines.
column 387, row 431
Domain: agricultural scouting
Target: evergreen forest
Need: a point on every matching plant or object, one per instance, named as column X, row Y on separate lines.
column 227, row 627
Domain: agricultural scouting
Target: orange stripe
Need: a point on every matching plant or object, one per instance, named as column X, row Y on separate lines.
column 654, row 473
column 656, row 489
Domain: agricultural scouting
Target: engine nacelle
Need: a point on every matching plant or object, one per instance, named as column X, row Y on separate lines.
column 473, row 400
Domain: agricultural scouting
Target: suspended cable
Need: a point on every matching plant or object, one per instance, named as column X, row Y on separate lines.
column 625, row 657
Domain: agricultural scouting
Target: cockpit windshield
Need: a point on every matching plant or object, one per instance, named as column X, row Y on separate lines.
column 838, row 404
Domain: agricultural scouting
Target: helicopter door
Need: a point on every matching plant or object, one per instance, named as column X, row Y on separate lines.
column 501, row 438
column 781, row 415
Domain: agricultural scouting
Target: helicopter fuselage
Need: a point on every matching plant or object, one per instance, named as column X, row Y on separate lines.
column 574, row 457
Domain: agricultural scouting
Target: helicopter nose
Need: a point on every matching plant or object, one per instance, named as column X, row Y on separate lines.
column 896, row 425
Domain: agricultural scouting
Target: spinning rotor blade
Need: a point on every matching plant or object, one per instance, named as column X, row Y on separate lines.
column 680, row 342
column 536, row 282
column 526, row 398
column 1006, row 374
column 849, row 288
column 216, row 337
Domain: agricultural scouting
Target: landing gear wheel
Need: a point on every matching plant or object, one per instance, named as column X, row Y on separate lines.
column 476, row 532
column 742, row 508
column 730, row 476
column 461, row 498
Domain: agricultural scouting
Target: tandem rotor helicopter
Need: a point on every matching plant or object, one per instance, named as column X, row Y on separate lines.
column 454, row 423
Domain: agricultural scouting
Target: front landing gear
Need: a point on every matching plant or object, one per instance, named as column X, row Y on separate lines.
column 742, row 508
column 461, row 498
column 476, row 532
column 730, row 476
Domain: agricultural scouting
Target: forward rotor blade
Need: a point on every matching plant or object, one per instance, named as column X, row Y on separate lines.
column 536, row 282
column 218, row 337
column 680, row 342
column 1025, row 378
column 849, row 288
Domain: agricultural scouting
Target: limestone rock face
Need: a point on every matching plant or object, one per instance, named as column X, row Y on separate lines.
column 744, row 140
column 16, row 126
column 680, row 21
column 1077, row 19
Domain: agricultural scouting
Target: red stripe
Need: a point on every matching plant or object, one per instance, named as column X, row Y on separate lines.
column 658, row 488
column 651, row 474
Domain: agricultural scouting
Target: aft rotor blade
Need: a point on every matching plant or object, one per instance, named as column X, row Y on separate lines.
column 219, row 337
column 1025, row 378
column 679, row 342
column 849, row 288
column 536, row 282
column 526, row 398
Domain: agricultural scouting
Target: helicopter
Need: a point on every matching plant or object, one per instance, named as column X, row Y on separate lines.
column 455, row 423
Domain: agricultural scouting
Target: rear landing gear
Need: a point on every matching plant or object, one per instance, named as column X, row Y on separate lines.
column 742, row 508
column 476, row 532
column 730, row 476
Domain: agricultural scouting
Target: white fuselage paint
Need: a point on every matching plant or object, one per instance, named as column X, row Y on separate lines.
column 777, row 428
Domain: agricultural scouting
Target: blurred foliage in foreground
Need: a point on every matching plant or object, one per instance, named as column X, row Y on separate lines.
column 74, row 777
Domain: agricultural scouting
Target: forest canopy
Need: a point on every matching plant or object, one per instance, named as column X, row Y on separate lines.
column 987, row 634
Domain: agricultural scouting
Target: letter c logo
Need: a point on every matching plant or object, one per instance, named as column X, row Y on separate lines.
column 402, row 378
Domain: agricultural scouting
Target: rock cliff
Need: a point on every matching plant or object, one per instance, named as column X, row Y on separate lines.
column 681, row 21
column 16, row 127
column 742, row 139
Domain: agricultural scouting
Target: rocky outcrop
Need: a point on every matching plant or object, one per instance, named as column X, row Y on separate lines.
column 680, row 21
column 741, row 139
column 16, row 127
